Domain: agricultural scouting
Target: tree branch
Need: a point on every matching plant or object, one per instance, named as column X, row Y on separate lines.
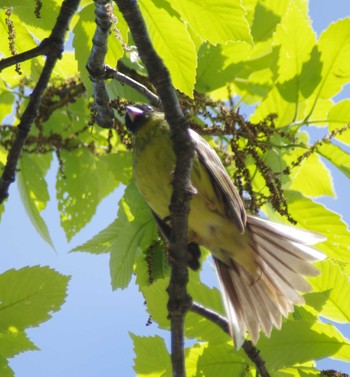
column 179, row 301
column 44, row 48
column 251, row 351
column 57, row 37
column 96, row 66
column 142, row 89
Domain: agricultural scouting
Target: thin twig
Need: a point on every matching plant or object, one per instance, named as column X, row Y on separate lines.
column 179, row 300
column 45, row 48
column 57, row 37
column 96, row 66
column 142, row 89
column 251, row 351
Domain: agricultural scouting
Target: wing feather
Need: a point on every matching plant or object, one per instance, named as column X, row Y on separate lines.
column 222, row 184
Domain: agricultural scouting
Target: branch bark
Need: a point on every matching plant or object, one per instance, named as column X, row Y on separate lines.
column 96, row 65
column 179, row 300
column 57, row 37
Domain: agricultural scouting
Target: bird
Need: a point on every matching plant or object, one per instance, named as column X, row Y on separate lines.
column 261, row 265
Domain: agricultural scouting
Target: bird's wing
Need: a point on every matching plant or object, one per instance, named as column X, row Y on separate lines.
column 221, row 182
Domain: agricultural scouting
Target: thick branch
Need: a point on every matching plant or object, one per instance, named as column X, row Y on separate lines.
column 251, row 351
column 57, row 37
column 96, row 65
column 179, row 300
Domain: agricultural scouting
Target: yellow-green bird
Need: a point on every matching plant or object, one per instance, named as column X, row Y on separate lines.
column 261, row 265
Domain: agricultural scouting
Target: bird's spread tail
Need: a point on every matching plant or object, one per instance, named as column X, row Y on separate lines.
column 283, row 257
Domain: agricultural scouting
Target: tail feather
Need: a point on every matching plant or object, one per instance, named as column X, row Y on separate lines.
column 282, row 257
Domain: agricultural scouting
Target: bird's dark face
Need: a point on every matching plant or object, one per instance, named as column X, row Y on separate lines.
column 136, row 116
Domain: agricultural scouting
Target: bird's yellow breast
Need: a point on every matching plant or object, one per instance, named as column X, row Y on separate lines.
column 154, row 164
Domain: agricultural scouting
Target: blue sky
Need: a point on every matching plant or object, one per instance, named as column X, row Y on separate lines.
column 89, row 336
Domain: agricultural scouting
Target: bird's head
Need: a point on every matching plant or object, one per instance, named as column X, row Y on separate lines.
column 137, row 115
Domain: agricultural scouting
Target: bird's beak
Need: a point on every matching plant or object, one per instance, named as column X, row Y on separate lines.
column 133, row 112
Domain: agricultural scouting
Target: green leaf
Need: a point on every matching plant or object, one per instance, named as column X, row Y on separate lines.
column 332, row 332
column 172, row 42
column 264, row 23
column 297, row 342
column 274, row 103
column 313, row 178
column 337, row 156
column 24, row 41
column 5, row 370
column 299, row 65
column 334, row 46
column 156, row 298
column 222, row 361
column 29, row 296
column 13, row 342
column 7, row 100
column 316, row 217
column 119, row 165
column 191, row 358
column 296, row 39
column 152, row 265
column 339, row 117
column 336, row 287
column 298, row 371
column 33, row 190
column 82, row 182
column 101, row 242
column 197, row 326
column 217, row 21
column 152, row 358
column 135, row 231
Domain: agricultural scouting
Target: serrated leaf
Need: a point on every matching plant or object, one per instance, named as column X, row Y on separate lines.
column 15, row 341
column 264, row 22
column 297, row 342
column 222, row 361
column 332, row 332
column 33, row 190
column 336, row 286
column 274, row 103
column 136, row 231
column 316, row 217
column 5, row 370
column 156, row 298
column 313, row 178
column 334, row 46
column 172, row 42
column 29, row 296
column 82, row 182
column 218, row 21
column 152, row 265
column 296, row 39
column 339, row 117
column 102, row 241
column 152, row 357
column 337, row 156
column 197, row 326
column 191, row 358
